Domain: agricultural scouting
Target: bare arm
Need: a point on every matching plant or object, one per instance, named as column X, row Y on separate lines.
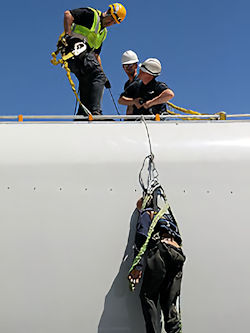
column 129, row 110
column 123, row 101
column 164, row 97
column 68, row 20
column 126, row 100
column 129, row 101
column 98, row 58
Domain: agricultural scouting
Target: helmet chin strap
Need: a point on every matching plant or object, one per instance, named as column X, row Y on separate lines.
column 103, row 16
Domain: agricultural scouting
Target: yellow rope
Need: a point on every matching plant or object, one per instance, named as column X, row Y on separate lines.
column 184, row 110
column 178, row 114
column 63, row 62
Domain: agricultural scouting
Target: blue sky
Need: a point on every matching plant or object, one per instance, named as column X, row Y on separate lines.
column 204, row 48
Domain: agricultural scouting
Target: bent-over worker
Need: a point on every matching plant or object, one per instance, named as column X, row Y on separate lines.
column 89, row 25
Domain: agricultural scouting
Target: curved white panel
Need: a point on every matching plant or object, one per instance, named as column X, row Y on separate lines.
column 68, row 194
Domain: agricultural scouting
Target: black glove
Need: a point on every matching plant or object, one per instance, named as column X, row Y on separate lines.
column 107, row 84
column 63, row 42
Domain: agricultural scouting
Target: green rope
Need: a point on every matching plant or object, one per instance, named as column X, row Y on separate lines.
column 146, row 200
column 144, row 246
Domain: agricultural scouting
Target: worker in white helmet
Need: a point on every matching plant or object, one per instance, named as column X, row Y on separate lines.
column 130, row 65
column 147, row 96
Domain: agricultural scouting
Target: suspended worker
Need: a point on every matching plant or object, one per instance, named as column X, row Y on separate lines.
column 147, row 96
column 130, row 64
column 88, row 27
column 163, row 272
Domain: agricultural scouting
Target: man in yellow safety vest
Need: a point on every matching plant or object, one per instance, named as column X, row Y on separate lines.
column 85, row 30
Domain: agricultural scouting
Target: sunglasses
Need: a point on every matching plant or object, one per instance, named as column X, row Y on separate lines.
column 128, row 66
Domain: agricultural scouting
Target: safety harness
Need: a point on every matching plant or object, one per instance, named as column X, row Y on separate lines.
column 84, row 37
column 93, row 36
column 152, row 191
column 79, row 48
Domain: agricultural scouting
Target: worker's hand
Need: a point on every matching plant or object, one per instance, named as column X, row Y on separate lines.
column 63, row 42
column 135, row 276
column 137, row 103
column 65, row 39
column 107, row 84
column 146, row 105
column 139, row 203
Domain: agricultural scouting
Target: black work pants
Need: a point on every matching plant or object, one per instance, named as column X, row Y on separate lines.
column 91, row 82
column 162, row 283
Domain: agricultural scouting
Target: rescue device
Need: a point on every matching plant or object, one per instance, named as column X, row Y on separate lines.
column 154, row 200
column 70, row 47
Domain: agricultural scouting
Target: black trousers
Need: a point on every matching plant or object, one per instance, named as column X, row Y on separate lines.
column 162, row 283
column 91, row 82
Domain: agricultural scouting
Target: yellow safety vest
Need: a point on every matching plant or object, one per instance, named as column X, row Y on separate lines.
column 95, row 35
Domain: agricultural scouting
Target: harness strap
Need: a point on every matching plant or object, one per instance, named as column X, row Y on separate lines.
column 97, row 24
column 64, row 63
column 67, row 56
column 144, row 246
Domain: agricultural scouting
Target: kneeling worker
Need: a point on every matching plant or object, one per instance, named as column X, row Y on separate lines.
column 89, row 25
column 147, row 96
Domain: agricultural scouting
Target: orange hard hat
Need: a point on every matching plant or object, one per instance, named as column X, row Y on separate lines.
column 118, row 12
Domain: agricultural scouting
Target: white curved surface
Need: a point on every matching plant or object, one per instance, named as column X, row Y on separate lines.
column 68, row 192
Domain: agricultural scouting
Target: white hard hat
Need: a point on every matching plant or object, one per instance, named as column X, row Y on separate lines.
column 129, row 57
column 151, row 66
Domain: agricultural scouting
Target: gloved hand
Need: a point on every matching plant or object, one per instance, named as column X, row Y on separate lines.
column 65, row 39
column 107, row 84
column 63, row 42
column 135, row 276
